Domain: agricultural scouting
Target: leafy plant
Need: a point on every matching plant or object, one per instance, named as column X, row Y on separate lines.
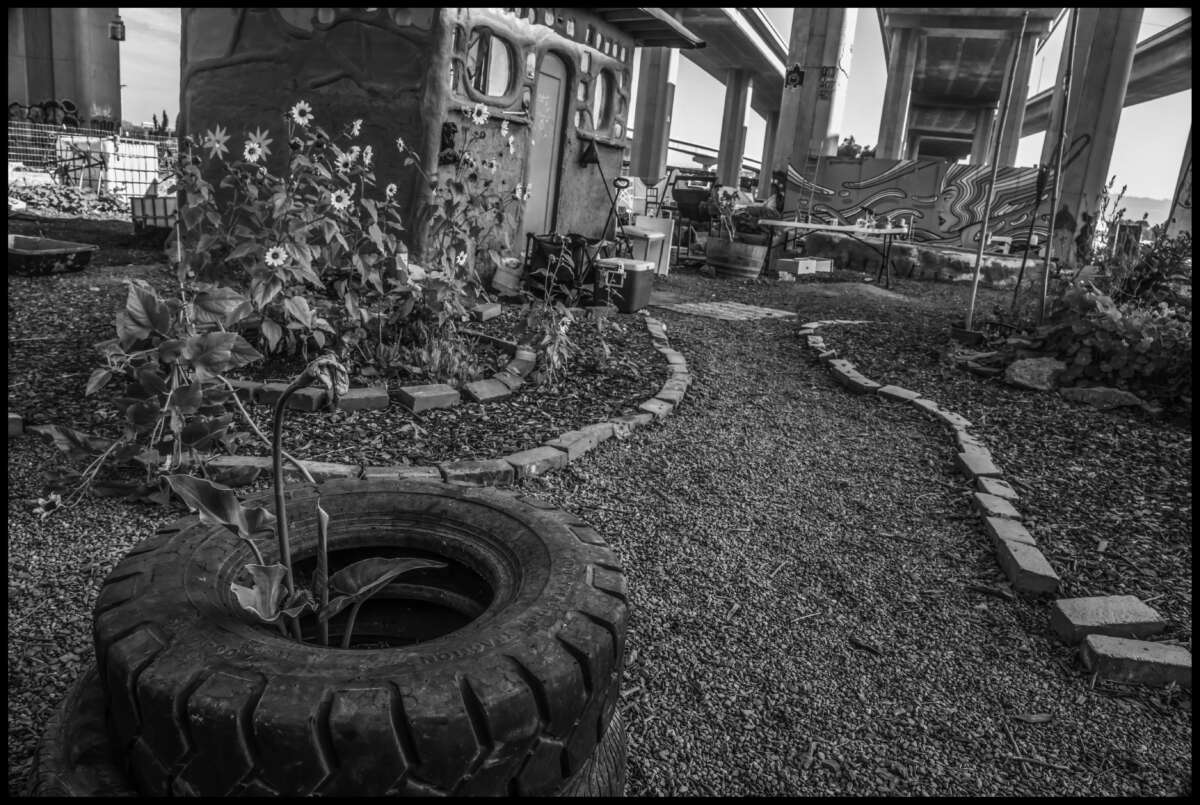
column 272, row 595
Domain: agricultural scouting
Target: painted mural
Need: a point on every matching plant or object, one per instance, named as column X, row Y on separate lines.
column 944, row 201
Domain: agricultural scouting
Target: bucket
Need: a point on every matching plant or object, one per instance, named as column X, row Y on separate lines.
column 734, row 259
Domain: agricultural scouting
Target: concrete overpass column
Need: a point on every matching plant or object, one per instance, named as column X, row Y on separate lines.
column 980, row 151
column 1180, row 219
column 810, row 113
column 1104, row 49
column 652, row 112
column 768, row 153
column 913, row 150
column 1010, row 137
column 893, row 125
column 732, row 145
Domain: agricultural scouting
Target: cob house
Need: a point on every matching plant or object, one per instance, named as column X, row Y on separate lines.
column 557, row 80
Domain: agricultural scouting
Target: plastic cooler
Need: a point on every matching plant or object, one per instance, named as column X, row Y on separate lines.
column 633, row 279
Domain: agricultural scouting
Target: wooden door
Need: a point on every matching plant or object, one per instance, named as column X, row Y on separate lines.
column 545, row 154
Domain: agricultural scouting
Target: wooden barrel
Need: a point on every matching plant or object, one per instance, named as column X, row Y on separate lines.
column 734, row 259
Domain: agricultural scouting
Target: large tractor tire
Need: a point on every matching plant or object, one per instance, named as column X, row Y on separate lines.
column 499, row 674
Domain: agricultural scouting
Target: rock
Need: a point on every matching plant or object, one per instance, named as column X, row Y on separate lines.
column 1037, row 374
column 1101, row 397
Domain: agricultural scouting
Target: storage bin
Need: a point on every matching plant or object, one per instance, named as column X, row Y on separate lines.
column 632, row 279
column 154, row 212
column 36, row 256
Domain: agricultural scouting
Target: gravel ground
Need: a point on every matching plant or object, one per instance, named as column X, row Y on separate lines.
column 805, row 578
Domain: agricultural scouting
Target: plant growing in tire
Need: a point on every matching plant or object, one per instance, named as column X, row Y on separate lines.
column 369, row 638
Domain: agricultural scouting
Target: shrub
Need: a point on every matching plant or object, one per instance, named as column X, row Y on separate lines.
column 1147, row 350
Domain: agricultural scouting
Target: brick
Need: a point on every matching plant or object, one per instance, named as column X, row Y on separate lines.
column 966, row 441
column 602, row 431
column 521, row 367
column 575, row 443
column 955, row 421
column 431, row 395
column 659, row 408
column 1026, row 568
column 486, row 390
column 845, row 373
column 509, row 379
column 925, row 406
column 245, row 389
column 367, row 398
column 15, row 425
column 997, row 487
column 268, row 393
column 672, row 395
column 536, row 461
column 310, row 398
column 999, row 529
column 675, row 358
column 486, row 311
column 993, row 506
column 625, row 425
column 1073, row 619
column 897, row 393
column 402, row 472
column 1124, row 660
column 487, row 472
column 975, row 462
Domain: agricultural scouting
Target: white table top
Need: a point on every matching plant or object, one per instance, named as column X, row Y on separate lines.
column 858, row 230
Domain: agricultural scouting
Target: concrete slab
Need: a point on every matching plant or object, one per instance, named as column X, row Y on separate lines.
column 1026, row 568
column 1000, row 529
column 993, row 506
column 575, row 443
column 975, row 462
column 428, row 396
column 898, row 393
column 486, row 390
column 997, row 487
column 364, row 399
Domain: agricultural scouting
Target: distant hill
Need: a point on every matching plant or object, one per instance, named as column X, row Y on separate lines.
column 1135, row 206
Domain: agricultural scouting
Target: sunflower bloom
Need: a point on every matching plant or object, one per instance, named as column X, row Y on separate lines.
column 302, row 113
column 214, row 140
column 253, row 152
column 259, row 137
column 339, row 199
column 479, row 115
column 400, row 144
column 368, row 154
column 343, row 161
column 390, row 190
column 356, row 127
column 512, row 145
column 461, row 259
column 276, row 256
column 504, row 128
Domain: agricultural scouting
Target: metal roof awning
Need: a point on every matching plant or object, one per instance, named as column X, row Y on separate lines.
column 651, row 27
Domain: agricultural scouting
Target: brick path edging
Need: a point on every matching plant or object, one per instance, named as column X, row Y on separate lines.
column 1016, row 550
column 553, row 454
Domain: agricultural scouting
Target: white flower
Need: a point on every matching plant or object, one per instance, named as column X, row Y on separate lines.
column 339, row 199
column 343, row 161
column 260, row 138
column 461, row 259
column 275, row 256
column 354, row 152
column 367, row 155
column 356, row 127
column 302, row 113
column 400, row 144
column 252, row 152
column 47, row 505
column 504, row 128
column 512, row 145
column 390, row 190
column 479, row 115
column 520, row 193
column 214, row 141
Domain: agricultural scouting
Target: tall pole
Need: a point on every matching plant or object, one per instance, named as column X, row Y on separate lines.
column 1063, row 131
column 987, row 209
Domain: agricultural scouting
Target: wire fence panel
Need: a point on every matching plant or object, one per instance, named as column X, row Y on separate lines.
column 90, row 159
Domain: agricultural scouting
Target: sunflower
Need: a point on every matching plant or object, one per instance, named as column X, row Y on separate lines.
column 356, row 127
column 339, row 199
column 479, row 115
column 512, row 145
column 367, row 155
column 253, row 152
column 400, row 144
column 461, row 258
column 214, row 141
column 259, row 137
column 302, row 113
column 344, row 161
column 275, row 256
column 504, row 128
column 390, row 191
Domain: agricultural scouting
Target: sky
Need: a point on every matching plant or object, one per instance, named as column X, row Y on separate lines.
column 1146, row 157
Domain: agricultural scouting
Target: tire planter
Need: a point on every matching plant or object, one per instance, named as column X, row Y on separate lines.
column 501, row 674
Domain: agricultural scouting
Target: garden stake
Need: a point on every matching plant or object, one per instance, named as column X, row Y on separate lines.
column 1042, row 176
column 987, row 207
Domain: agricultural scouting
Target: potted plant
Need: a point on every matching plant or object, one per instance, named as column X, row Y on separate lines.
column 732, row 252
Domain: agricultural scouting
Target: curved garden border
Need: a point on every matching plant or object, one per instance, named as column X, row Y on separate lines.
column 502, row 471
column 1102, row 624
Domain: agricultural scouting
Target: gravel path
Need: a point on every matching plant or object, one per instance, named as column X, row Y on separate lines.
column 801, row 564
